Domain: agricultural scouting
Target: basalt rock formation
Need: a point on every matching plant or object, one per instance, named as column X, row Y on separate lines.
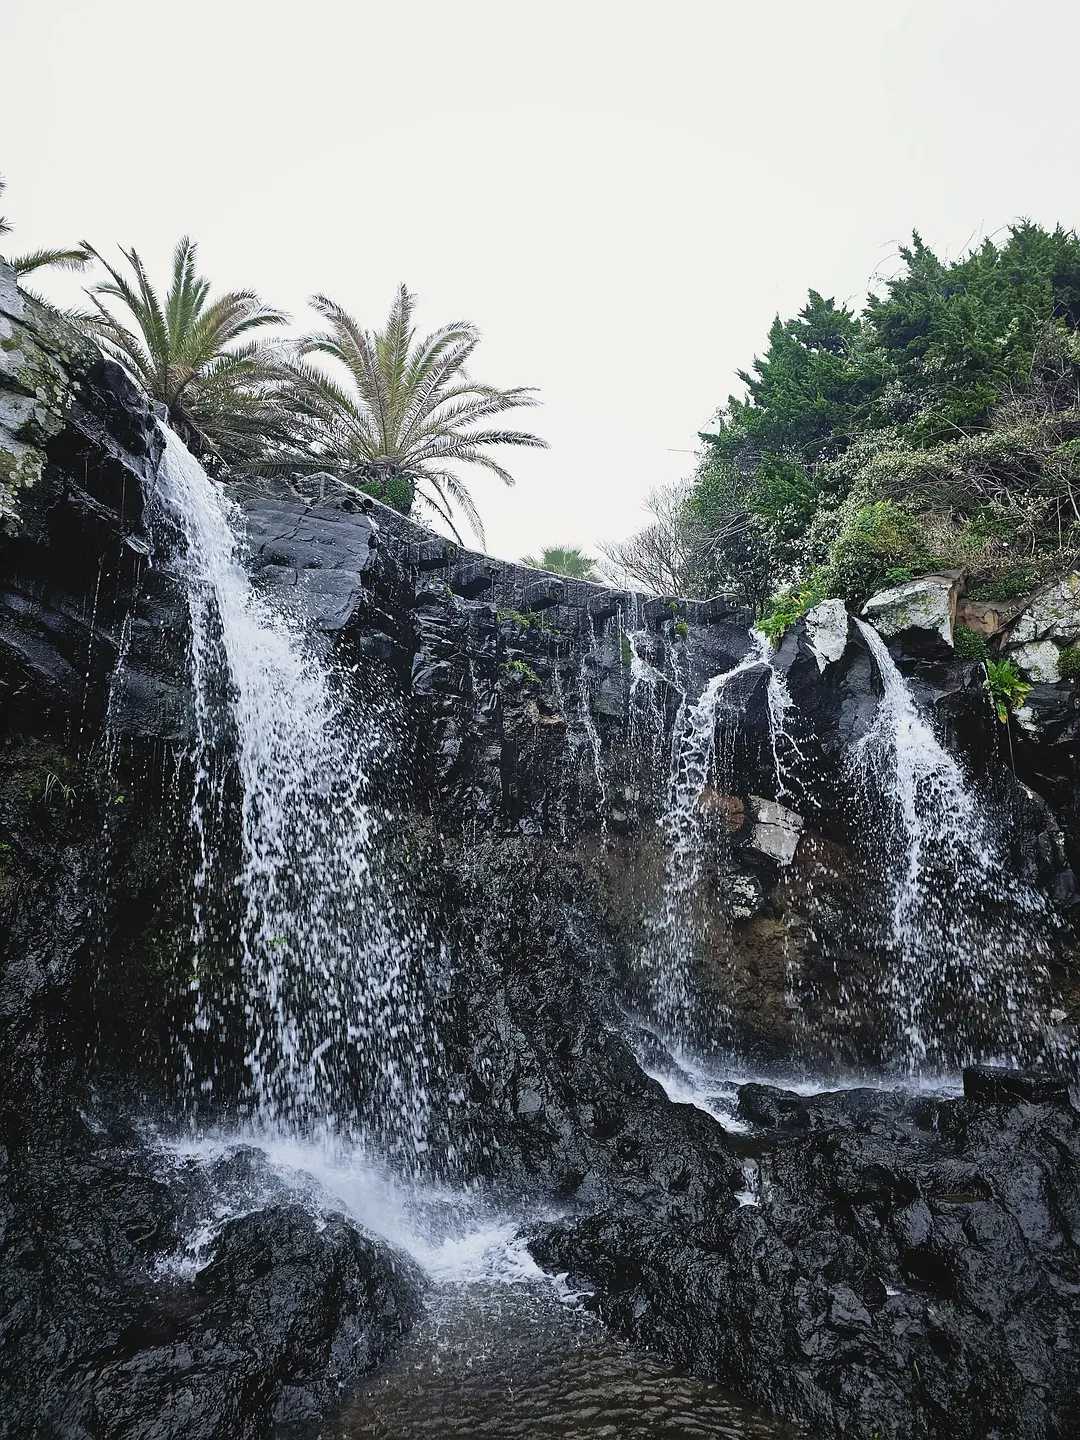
column 870, row 1263
column 905, row 1254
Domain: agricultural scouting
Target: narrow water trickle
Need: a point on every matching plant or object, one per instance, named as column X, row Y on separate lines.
column 788, row 755
column 647, row 713
column 322, row 974
column 592, row 735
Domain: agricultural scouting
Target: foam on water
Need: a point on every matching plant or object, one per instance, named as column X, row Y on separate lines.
column 452, row 1234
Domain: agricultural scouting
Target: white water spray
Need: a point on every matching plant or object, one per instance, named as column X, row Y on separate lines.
column 674, row 930
column 647, row 715
column 324, row 978
column 966, row 960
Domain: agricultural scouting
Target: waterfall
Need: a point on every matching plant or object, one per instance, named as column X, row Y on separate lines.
column 966, row 939
column 322, row 972
column 674, row 929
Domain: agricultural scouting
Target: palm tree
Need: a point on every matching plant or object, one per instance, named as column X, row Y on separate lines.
column 42, row 259
column 407, row 413
column 567, row 560
column 220, row 394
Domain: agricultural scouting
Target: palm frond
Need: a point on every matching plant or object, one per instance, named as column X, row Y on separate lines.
column 407, row 402
column 74, row 259
column 445, row 484
column 196, row 353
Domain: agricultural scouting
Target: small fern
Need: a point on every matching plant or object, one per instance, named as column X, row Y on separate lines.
column 1008, row 690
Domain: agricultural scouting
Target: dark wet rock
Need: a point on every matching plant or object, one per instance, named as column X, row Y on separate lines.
column 472, row 579
column 320, row 555
column 770, row 1107
column 663, row 611
column 909, row 1271
column 553, row 1099
column 288, row 1312
column 998, row 1085
column 605, row 605
column 97, row 1337
column 542, row 594
column 76, row 539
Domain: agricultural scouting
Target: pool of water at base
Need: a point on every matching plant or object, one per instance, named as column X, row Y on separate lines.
column 502, row 1351
column 514, row 1362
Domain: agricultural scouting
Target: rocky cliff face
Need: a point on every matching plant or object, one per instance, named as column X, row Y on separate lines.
column 870, row 1263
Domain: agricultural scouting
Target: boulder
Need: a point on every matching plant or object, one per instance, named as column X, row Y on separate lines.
column 1039, row 660
column 986, row 617
column 543, row 594
column 775, row 830
column 1053, row 613
column 1049, row 621
column 605, row 604
column 473, row 578
column 430, row 554
column 292, row 1304
column 827, row 626
column 908, row 1271
column 999, row 1085
column 663, row 610
column 920, row 612
column 319, row 553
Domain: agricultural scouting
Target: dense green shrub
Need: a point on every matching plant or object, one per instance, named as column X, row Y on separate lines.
column 1011, row 582
column 938, row 429
column 969, row 644
column 791, row 605
column 393, row 488
column 524, row 619
column 1069, row 662
column 518, row 670
column 880, row 541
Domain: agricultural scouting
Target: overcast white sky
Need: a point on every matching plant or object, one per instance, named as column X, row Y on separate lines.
column 620, row 195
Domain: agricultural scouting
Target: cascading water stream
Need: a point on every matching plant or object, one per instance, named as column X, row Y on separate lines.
column 673, row 930
column 592, row 735
column 325, row 978
column 966, row 937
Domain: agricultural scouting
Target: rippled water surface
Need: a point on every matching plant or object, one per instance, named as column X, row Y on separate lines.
column 512, row 1362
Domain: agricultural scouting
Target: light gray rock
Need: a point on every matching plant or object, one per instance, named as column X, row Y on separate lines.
column 1039, row 661
column 927, row 604
column 12, row 305
column 1053, row 613
column 776, row 830
column 827, row 631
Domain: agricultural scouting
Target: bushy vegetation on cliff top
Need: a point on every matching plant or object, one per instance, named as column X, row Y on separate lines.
column 938, row 428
